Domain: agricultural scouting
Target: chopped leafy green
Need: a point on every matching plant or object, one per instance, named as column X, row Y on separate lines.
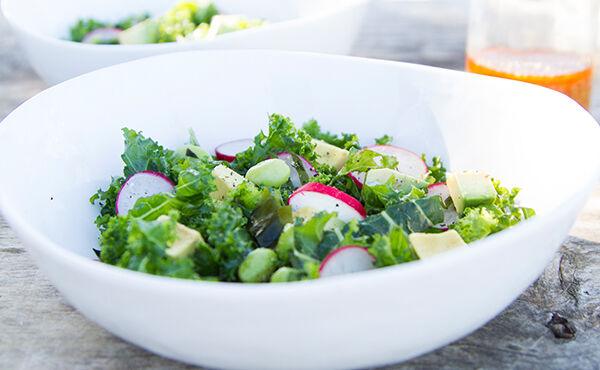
column 142, row 154
column 107, row 199
column 85, row 26
column 132, row 21
column 345, row 141
column 282, row 137
column 437, row 172
column 226, row 232
column 365, row 160
column 140, row 245
column 413, row 216
column 391, row 249
column 384, row 140
column 184, row 18
column 379, row 197
column 479, row 222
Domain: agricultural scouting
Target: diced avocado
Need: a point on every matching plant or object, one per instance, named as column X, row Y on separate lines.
column 428, row 245
column 225, row 23
column 402, row 183
column 334, row 223
column 469, row 189
column 270, row 172
column 305, row 213
column 145, row 32
column 193, row 151
column 330, row 154
column 226, row 179
column 186, row 240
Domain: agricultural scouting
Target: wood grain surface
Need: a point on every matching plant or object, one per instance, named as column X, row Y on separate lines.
column 555, row 324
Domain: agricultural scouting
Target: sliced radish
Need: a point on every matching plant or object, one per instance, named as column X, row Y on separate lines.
column 294, row 175
column 329, row 199
column 104, row 35
column 450, row 214
column 139, row 185
column 227, row 151
column 439, row 188
column 346, row 259
column 409, row 163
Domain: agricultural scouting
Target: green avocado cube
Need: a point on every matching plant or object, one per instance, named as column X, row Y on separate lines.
column 470, row 189
column 145, row 32
column 428, row 245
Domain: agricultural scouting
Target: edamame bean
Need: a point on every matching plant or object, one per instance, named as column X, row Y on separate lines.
column 286, row 274
column 193, row 151
column 272, row 172
column 258, row 266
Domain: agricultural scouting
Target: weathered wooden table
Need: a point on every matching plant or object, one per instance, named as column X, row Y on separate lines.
column 554, row 324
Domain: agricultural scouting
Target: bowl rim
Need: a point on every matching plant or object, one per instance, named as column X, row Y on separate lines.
column 38, row 241
column 170, row 46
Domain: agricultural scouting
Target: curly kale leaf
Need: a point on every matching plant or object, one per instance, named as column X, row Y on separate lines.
column 141, row 246
column 384, row 140
column 305, row 245
column 379, row 197
column 282, row 137
column 391, row 249
column 413, row 216
column 226, row 232
column 478, row 222
column 345, row 141
column 144, row 154
column 437, row 171
column 106, row 199
column 365, row 160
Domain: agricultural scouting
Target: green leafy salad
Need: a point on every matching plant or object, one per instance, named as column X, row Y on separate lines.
column 188, row 20
column 291, row 204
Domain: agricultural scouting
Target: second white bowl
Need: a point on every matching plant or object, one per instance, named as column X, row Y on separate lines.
column 42, row 27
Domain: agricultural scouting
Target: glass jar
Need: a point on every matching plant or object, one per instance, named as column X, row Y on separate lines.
column 545, row 42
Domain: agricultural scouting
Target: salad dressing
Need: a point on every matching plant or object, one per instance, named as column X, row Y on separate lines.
column 567, row 73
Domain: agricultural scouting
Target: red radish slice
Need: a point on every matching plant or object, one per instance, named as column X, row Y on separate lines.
column 227, row 151
column 347, row 259
column 450, row 214
column 409, row 163
column 439, row 188
column 102, row 35
column 294, row 176
column 139, row 185
column 329, row 199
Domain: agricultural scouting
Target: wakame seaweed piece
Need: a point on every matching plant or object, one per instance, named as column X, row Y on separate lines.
column 267, row 221
column 413, row 216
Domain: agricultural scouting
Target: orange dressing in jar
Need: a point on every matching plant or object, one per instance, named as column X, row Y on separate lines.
column 570, row 74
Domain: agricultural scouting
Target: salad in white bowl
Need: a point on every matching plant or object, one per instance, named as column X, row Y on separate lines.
column 291, row 204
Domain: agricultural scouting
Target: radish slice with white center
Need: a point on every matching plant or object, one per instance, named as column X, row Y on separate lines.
column 140, row 185
column 439, row 188
column 409, row 163
column 346, row 259
column 227, row 151
column 326, row 198
column 450, row 214
column 294, row 175
column 102, row 35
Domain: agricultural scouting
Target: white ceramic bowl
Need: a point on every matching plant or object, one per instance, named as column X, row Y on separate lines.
column 64, row 143
column 42, row 27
